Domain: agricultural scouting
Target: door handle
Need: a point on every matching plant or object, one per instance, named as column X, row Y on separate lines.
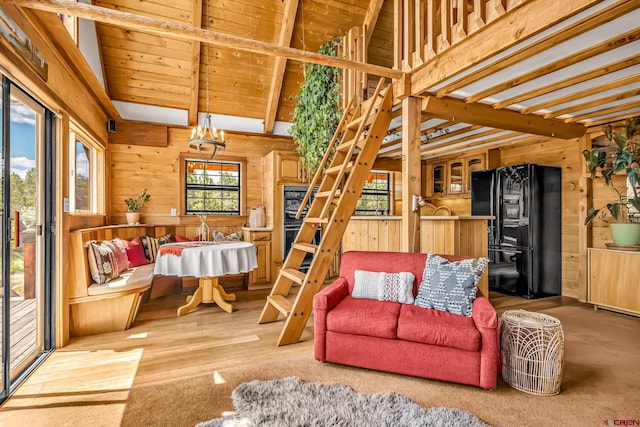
column 16, row 229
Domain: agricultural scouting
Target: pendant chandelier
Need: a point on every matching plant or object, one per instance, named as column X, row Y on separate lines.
column 206, row 139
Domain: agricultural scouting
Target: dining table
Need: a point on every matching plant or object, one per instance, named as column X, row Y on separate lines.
column 206, row 260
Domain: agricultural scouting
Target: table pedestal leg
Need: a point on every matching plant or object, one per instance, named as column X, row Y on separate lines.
column 209, row 291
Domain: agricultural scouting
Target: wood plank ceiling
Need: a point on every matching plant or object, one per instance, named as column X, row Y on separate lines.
column 584, row 69
column 153, row 70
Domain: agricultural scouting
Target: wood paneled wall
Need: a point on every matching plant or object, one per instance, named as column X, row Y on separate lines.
column 134, row 167
column 566, row 155
column 372, row 235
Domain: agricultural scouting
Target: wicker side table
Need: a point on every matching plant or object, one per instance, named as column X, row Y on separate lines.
column 532, row 352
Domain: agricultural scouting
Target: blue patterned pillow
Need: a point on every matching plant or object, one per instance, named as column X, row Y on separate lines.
column 450, row 286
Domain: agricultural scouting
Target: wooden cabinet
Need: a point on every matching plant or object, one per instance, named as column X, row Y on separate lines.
column 613, row 280
column 289, row 168
column 452, row 178
column 436, row 179
column 260, row 278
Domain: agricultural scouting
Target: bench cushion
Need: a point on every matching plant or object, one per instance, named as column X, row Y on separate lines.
column 133, row 278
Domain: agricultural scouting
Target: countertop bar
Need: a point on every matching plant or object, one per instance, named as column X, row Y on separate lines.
column 381, row 217
column 437, row 217
column 458, row 217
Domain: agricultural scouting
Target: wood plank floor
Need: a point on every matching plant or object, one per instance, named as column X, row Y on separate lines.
column 98, row 371
column 23, row 329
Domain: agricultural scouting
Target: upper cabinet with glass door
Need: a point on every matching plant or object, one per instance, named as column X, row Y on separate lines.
column 452, row 178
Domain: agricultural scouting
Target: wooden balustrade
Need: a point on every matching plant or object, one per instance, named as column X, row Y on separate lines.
column 426, row 28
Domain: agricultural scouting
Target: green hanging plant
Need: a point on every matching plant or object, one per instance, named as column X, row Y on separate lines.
column 317, row 111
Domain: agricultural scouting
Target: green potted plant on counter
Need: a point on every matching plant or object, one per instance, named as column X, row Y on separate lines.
column 134, row 205
column 607, row 164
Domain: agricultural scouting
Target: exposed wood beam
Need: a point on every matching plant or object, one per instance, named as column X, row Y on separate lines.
column 584, row 93
column 195, row 65
column 623, row 116
column 385, row 164
column 529, row 19
column 370, row 19
column 461, row 146
column 485, row 115
column 580, row 27
column 595, row 103
column 606, row 111
column 186, row 32
column 576, row 57
column 275, row 87
column 588, row 75
column 49, row 28
column 411, row 173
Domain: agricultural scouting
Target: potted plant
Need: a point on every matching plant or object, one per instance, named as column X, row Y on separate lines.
column 608, row 163
column 134, row 205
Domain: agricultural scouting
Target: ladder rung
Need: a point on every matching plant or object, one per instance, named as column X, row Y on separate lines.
column 346, row 145
column 316, row 220
column 280, row 303
column 329, row 193
column 353, row 124
column 293, row 274
column 336, row 169
column 307, row 247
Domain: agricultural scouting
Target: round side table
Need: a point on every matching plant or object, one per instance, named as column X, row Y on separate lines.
column 532, row 352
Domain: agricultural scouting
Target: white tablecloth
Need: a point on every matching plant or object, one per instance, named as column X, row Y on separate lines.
column 208, row 261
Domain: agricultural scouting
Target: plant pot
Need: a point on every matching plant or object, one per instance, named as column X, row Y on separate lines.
column 625, row 234
column 133, row 217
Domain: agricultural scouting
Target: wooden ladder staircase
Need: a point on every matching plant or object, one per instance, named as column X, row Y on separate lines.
column 360, row 134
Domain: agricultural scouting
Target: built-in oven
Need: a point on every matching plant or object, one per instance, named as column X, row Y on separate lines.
column 292, row 197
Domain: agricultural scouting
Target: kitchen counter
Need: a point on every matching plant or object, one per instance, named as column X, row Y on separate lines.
column 458, row 217
column 378, row 217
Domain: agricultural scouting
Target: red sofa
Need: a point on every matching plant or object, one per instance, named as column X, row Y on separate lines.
column 404, row 338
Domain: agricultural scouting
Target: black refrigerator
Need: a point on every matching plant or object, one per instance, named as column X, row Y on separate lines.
column 525, row 237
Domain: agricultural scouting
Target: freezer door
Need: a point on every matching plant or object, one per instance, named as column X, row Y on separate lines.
column 510, row 271
column 483, row 200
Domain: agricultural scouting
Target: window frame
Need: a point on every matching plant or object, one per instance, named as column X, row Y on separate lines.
column 96, row 173
column 366, row 191
column 242, row 162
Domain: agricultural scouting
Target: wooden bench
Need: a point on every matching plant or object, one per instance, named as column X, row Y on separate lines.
column 113, row 306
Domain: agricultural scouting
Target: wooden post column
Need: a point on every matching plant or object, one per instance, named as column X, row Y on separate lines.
column 411, row 172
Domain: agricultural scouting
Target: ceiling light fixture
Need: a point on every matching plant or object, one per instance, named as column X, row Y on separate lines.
column 206, row 139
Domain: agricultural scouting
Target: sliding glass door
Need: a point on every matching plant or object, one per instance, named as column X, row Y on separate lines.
column 26, row 324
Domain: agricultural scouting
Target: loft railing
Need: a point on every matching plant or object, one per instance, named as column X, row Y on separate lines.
column 426, row 28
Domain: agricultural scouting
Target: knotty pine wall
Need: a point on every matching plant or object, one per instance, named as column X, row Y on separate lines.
column 134, row 167
column 566, row 155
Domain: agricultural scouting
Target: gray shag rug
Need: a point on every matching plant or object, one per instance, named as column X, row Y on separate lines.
column 292, row 402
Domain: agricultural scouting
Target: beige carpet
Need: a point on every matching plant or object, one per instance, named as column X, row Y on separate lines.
column 601, row 381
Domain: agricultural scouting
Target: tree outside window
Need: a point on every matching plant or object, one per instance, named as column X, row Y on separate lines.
column 212, row 188
column 375, row 195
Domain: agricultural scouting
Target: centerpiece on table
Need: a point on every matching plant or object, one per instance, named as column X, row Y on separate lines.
column 134, row 205
column 608, row 164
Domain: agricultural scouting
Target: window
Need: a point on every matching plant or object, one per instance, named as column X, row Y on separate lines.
column 212, row 187
column 375, row 195
column 86, row 174
column 83, row 177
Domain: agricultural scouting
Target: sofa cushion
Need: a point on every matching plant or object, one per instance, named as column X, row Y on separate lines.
column 135, row 253
column 151, row 244
column 439, row 328
column 120, row 251
column 450, row 286
column 365, row 284
column 103, row 265
column 364, row 317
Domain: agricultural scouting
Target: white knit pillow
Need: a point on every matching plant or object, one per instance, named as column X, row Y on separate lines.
column 395, row 287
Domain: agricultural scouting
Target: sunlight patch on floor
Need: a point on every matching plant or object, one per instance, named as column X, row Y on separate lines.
column 218, row 379
column 75, row 380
